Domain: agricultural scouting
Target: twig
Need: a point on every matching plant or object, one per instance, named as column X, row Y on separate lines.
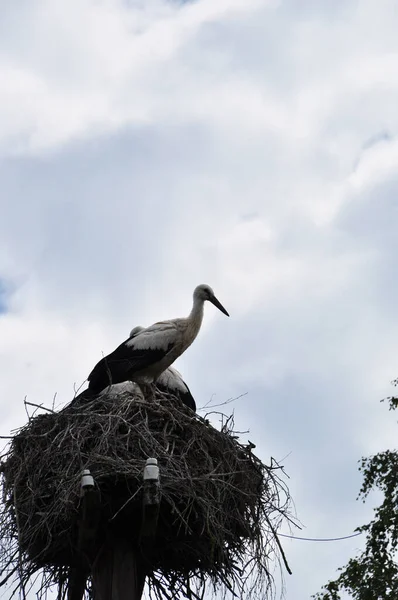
column 279, row 546
column 39, row 406
column 125, row 504
column 209, row 405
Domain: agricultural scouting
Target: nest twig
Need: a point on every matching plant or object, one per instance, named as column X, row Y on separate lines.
column 221, row 506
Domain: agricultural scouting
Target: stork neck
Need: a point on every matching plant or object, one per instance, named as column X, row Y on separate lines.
column 196, row 314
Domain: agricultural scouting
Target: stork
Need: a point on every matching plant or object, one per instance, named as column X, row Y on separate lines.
column 110, row 391
column 171, row 381
column 121, row 388
column 143, row 357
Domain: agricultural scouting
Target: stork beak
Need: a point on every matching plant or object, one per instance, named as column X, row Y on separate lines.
column 214, row 301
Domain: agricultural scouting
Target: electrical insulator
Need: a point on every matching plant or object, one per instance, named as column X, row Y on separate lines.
column 151, row 470
column 87, row 481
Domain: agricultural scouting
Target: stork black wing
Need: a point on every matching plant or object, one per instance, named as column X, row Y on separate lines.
column 188, row 399
column 185, row 396
column 121, row 365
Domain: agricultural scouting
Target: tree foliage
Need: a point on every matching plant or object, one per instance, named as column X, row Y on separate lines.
column 373, row 575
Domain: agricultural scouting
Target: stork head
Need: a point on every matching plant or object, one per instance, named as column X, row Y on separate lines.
column 204, row 292
column 136, row 330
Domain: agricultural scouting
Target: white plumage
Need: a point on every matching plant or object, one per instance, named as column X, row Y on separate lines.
column 171, row 381
column 143, row 357
column 121, row 388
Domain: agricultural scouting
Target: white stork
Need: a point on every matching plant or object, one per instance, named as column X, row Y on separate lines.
column 171, row 381
column 143, row 357
column 121, row 388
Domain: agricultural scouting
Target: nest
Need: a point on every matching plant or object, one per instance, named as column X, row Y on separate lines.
column 220, row 505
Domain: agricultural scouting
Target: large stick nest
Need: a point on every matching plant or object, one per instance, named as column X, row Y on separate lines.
column 220, row 506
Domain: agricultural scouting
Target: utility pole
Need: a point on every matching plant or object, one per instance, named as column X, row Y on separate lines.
column 118, row 572
column 90, row 509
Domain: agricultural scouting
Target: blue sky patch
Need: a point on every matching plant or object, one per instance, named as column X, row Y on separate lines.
column 4, row 293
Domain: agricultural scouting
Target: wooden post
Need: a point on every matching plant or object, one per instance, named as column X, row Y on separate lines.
column 90, row 509
column 117, row 573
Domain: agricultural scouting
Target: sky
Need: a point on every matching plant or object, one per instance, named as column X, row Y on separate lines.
column 149, row 146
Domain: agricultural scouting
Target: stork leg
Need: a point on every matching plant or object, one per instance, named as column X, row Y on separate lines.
column 148, row 391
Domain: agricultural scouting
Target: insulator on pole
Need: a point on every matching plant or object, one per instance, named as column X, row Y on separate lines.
column 150, row 499
column 151, row 470
column 87, row 482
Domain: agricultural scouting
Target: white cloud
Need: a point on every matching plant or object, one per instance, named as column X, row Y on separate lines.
column 89, row 67
column 378, row 163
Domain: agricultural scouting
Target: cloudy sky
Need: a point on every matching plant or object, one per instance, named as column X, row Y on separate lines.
column 147, row 146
